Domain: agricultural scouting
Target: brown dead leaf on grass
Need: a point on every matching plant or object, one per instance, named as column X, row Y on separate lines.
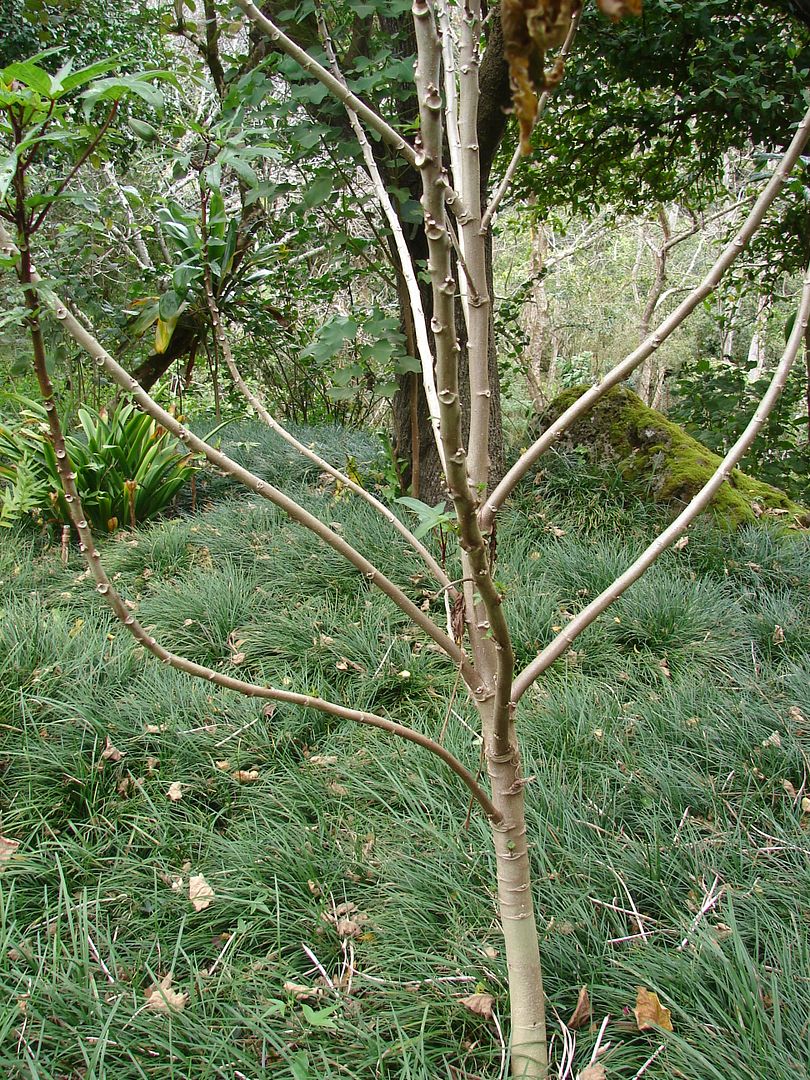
column 110, row 752
column 593, row 1072
column 161, row 998
column 245, row 776
column 175, row 792
column 7, row 849
column 480, row 1004
column 174, row 881
column 347, row 920
column 650, row 1013
column 304, row 993
column 200, row 892
column 581, row 1015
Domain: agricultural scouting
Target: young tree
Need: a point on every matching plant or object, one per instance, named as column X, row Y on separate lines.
column 477, row 640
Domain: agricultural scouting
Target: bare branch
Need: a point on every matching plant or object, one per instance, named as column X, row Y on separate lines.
column 444, row 334
column 561, row 642
column 654, row 340
column 334, row 85
column 140, row 251
column 339, row 90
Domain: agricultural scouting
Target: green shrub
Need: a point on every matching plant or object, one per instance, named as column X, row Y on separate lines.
column 127, row 468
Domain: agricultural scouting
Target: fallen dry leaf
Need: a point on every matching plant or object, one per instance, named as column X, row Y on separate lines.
column 110, row 752
column 345, row 664
column 679, row 545
column 200, row 892
column 805, row 805
column 796, row 715
column 161, row 998
column 245, row 776
column 303, row 993
column 174, row 881
column 480, row 1004
column 789, row 788
column 593, row 1072
column 7, row 849
column 774, row 739
column 778, row 635
column 175, row 791
column 650, row 1013
column 347, row 920
column 581, row 1015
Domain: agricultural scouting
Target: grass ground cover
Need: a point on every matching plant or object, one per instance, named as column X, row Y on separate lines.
column 352, row 906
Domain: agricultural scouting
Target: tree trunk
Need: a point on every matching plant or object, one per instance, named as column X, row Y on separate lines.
column 516, row 908
column 413, row 436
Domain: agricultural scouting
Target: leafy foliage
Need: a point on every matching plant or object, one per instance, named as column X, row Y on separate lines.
column 648, row 110
column 127, row 469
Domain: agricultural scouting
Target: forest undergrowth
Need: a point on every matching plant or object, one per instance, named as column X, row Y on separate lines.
column 341, row 907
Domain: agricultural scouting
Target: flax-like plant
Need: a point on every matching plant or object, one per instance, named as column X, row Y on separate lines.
column 478, row 640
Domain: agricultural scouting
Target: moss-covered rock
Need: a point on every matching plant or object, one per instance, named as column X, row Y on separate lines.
column 657, row 454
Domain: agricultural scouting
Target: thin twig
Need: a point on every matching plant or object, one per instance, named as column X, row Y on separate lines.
column 653, row 1057
column 710, row 900
column 599, row 1037
column 97, row 957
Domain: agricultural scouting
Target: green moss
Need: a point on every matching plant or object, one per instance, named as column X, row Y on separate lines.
column 656, row 453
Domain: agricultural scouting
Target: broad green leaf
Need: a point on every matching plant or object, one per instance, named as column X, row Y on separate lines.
column 85, row 74
column 31, row 75
column 317, row 192
column 183, row 276
column 145, row 319
column 342, row 393
column 320, row 1017
column 406, row 363
column 386, row 389
column 169, row 306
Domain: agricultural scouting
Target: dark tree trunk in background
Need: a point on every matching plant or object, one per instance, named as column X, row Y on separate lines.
column 411, row 419
column 183, row 343
column 413, row 435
